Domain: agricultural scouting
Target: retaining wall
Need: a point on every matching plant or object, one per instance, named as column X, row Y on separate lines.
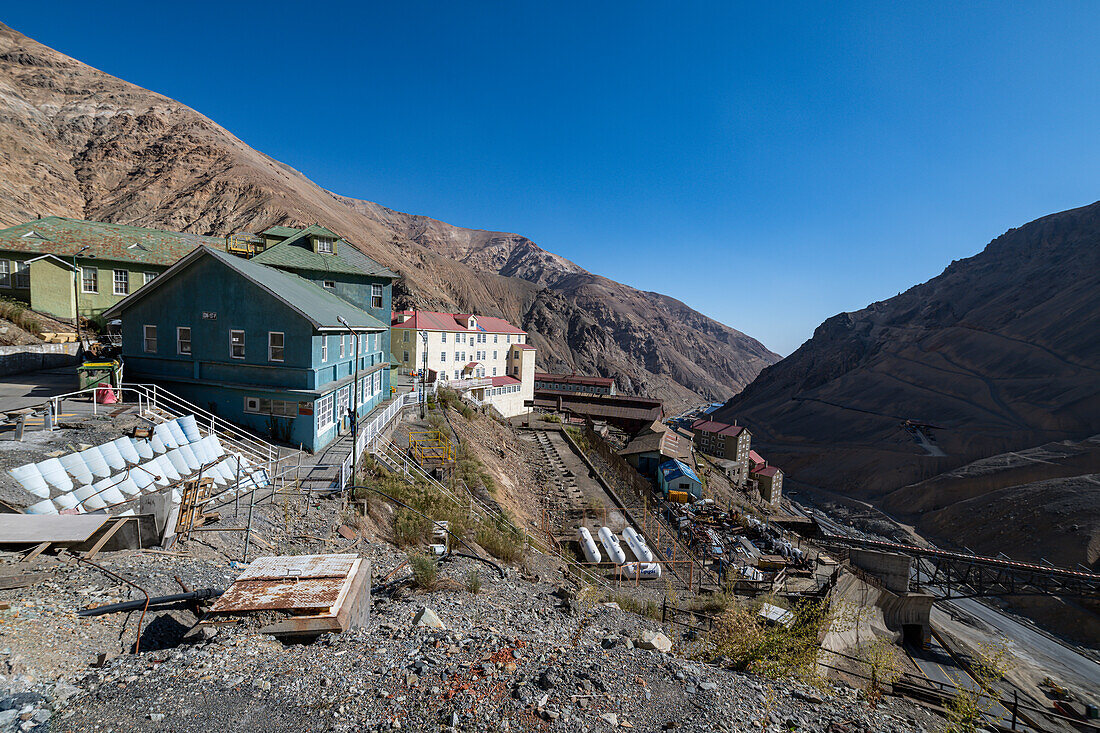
column 34, row 357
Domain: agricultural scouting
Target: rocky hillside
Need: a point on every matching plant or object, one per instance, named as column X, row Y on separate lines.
column 81, row 143
column 1001, row 352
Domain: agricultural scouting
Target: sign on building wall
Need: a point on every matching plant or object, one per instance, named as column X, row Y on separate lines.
column 209, row 315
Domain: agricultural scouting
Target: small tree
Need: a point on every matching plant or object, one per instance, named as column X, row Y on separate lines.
column 884, row 665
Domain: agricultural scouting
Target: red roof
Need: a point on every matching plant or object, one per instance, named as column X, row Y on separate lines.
column 574, row 379
column 471, row 365
column 766, row 471
column 432, row 321
column 711, row 426
column 502, row 381
column 756, row 457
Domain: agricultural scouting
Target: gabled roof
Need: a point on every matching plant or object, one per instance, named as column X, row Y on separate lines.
column 755, row 457
column 278, row 231
column 721, row 428
column 674, row 469
column 666, row 443
column 65, row 237
column 317, row 305
column 433, row 321
column 767, row 471
column 296, row 253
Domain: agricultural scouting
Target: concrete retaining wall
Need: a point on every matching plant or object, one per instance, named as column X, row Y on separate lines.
column 29, row 358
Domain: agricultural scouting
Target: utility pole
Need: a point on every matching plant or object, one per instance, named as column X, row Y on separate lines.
column 354, row 402
column 424, row 375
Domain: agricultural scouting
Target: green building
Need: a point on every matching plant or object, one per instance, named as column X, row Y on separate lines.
column 62, row 267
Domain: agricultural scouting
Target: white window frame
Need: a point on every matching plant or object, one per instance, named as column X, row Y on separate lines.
column 5, row 273
column 149, row 343
column 324, row 348
column 275, row 408
column 233, row 345
column 324, row 409
column 20, row 275
column 272, row 347
column 84, row 279
column 328, row 284
column 442, row 356
column 325, row 245
column 443, row 337
column 148, row 277
column 120, row 278
column 343, row 345
column 180, row 340
column 376, row 294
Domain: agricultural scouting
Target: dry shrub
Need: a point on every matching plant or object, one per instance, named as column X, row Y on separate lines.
column 424, row 570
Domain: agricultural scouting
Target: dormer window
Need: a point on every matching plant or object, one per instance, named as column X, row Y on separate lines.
column 324, row 245
column 329, row 284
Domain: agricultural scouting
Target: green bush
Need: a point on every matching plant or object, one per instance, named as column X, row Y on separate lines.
column 409, row 528
column 473, row 582
column 424, row 570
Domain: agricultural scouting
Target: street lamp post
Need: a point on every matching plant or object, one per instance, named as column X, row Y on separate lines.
column 76, row 290
column 424, row 375
column 354, row 402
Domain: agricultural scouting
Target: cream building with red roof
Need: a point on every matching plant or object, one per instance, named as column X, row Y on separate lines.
column 486, row 358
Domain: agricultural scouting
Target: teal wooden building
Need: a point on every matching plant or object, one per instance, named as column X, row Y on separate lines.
column 259, row 340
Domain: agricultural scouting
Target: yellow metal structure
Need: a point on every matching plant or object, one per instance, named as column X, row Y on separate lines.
column 430, row 446
column 246, row 245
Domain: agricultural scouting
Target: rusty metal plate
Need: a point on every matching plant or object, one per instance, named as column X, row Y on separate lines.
column 299, row 566
column 280, row 595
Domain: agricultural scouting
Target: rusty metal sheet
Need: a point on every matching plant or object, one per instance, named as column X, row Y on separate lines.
column 281, row 595
column 302, row 567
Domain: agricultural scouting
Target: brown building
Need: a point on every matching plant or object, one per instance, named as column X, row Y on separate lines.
column 769, row 481
column 574, row 383
column 727, row 442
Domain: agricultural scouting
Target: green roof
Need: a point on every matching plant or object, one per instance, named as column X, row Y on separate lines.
column 317, row 305
column 64, row 237
column 281, row 231
column 296, row 253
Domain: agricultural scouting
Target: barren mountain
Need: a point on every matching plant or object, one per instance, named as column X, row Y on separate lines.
column 81, row 143
column 999, row 353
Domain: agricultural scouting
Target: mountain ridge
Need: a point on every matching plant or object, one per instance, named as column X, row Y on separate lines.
column 88, row 145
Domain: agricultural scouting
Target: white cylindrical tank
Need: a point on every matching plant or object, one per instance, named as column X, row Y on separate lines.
column 643, row 570
column 637, row 545
column 611, row 543
column 588, row 545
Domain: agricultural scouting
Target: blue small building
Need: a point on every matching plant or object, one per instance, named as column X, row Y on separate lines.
column 259, row 341
column 676, row 475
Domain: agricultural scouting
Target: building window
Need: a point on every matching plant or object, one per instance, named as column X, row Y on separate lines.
column 343, row 399
column 275, row 341
column 496, row 337
column 443, row 337
column 375, row 296
column 236, row 344
column 343, row 346
column 264, row 406
column 405, row 354
column 329, row 284
column 150, row 339
column 324, row 413
column 183, row 339
column 405, row 335
column 89, row 279
column 148, row 277
column 509, row 337
column 325, row 246
column 122, row 282
column 324, row 348
column 515, row 370
column 5, row 273
column 443, row 356
column 20, row 275
column 494, row 371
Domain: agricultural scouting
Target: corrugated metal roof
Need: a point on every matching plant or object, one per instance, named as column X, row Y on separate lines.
column 313, row 302
column 61, row 236
column 574, row 379
column 713, row 426
column 674, row 469
column 296, row 252
column 434, row 321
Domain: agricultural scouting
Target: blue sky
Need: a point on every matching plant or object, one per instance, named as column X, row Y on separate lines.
column 769, row 167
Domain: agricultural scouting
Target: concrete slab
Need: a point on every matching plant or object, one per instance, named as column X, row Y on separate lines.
column 32, row 529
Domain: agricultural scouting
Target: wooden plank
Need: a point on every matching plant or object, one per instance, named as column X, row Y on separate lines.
column 22, row 580
column 106, row 536
column 36, row 552
column 28, row 529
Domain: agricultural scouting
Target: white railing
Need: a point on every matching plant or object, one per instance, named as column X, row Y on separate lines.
column 373, row 430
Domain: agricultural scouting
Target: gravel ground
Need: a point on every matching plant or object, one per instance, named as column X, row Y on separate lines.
column 521, row 654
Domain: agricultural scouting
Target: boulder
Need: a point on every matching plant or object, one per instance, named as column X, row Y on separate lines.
column 428, row 617
column 654, row 640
